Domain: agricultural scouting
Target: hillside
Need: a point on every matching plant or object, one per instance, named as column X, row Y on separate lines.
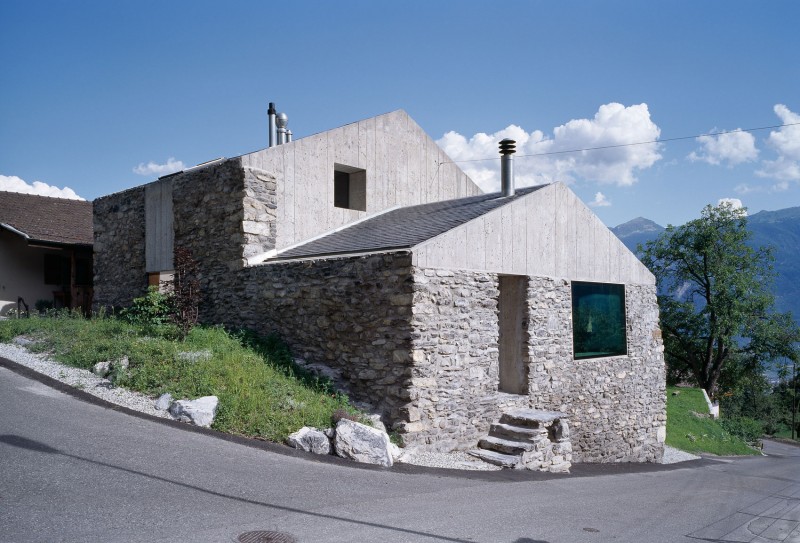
column 781, row 229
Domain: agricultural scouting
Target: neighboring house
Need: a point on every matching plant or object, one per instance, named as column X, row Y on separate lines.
column 371, row 253
column 45, row 251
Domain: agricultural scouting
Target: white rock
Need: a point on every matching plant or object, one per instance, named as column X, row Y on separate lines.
column 200, row 412
column 163, row 402
column 377, row 423
column 362, row 443
column 310, row 440
column 101, row 369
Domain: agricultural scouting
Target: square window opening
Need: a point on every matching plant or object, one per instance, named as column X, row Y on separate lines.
column 598, row 320
column 349, row 187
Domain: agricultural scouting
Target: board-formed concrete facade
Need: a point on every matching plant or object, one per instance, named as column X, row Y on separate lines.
column 415, row 332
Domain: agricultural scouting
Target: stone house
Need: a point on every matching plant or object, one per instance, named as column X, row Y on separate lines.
column 369, row 252
column 45, row 251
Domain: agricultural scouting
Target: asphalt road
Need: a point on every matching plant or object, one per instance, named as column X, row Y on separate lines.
column 75, row 471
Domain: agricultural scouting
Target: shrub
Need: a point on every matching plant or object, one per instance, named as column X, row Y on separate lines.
column 746, row 428
column 185, row 291
column 151, row 310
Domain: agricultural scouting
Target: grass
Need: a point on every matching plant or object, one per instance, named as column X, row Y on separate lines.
column 698, row 434
column 262, row 392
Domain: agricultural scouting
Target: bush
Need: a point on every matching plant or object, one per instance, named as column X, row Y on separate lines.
column 746, row 428
column 151, row 310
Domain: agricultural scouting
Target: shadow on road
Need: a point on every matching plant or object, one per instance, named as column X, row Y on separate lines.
column 32, row 445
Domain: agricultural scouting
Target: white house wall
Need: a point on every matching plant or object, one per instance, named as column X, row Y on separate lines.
column 404, row 167
column 549, row 232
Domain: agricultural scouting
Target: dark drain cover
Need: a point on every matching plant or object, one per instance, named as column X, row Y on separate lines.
column 266, row 537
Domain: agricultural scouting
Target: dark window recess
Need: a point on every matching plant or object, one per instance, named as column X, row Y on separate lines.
column 598, row 320
column 83, row 271
column 349, row 187
column 56, row 270
column 341, row 189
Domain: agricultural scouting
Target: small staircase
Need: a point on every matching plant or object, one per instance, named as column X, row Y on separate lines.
column 528, row 439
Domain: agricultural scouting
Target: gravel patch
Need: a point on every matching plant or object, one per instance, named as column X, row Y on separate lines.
column 81, row 379
column 673, row 455
column 451, row 460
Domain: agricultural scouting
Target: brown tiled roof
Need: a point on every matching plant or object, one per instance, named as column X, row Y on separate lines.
column 45, row 219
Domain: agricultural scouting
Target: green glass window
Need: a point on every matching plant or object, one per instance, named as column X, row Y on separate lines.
column 598, row 320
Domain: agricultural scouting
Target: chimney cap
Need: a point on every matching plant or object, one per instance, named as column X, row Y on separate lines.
column 508, row 147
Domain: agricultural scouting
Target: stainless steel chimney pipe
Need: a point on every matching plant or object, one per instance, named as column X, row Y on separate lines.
column 282, row 120
column 273, row 134
column 507, row 150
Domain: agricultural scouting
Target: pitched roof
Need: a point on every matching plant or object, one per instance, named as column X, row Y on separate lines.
column 46, row 219
column 402, row 228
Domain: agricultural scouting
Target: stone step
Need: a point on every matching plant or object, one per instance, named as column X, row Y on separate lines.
column 530, row 418
column 505, row 446
column 496, row 458
column 518, row 433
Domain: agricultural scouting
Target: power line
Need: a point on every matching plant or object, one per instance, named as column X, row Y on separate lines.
column 712, row 134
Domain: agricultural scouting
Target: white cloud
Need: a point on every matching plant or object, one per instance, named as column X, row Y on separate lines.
column 152, row 168
column 786, row 142
column 12, row 183
column 733, row 203
column 731, row 148
column 612, row 125
column 600, row 200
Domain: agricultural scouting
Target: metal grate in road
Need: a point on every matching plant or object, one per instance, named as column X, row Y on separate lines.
column 266, row 537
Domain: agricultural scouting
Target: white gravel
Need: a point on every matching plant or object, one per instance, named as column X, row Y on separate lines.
column 103, row 388
column 82, row 380
column 673, row 455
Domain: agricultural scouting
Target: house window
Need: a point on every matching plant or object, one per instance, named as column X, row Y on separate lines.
column 349, row 187
column 598, row 320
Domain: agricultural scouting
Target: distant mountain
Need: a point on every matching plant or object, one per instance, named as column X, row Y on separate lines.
column 639, row 230
column 781, row 229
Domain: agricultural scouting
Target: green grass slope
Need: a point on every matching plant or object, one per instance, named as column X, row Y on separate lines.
column 690, row 429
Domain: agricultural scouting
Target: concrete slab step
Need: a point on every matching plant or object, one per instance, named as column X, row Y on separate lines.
column 496, row 458
column 518, row 433
column 505, row 446
column 530, row 418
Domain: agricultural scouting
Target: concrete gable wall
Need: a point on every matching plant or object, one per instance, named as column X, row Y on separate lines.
column 549, row 232
column 404, row 167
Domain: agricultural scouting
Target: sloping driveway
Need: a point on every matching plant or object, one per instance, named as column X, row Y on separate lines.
column 71, row 470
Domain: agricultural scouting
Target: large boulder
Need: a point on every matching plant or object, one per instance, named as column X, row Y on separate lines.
column 310, row 440
column 200, row 412
column 362, row 443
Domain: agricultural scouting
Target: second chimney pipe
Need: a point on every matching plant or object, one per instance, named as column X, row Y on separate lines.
column 507, row 150
column 273, row 129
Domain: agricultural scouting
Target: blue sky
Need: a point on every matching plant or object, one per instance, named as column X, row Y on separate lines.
column 93, row 92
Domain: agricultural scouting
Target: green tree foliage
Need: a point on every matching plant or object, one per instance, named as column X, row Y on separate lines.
column 715, row 300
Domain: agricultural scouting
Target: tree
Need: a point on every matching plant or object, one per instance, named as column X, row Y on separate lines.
column 714, row 298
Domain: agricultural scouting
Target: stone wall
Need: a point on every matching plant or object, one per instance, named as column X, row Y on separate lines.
column 616, row 405
column 222, row 213
column 119, row 248
column 260, row 205
column 453, row 389
column 351, row 314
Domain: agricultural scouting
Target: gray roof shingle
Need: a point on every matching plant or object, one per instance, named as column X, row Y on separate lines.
column 402, row 228
column 49, row 220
